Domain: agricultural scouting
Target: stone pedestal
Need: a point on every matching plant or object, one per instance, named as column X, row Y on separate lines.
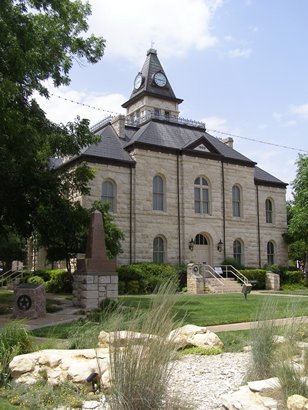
column 272, row 281
column 89, row 290
column 96, row 278
column 29, row 301
column 195, row 281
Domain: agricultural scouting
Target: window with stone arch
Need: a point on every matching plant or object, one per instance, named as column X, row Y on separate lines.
column 109, row 194
column 236, row 201
column 158, row 193
column 269, row 211
column 270, row 250
column 200, row 239
column 238, row 251
column 202, row 196
column 159, row 250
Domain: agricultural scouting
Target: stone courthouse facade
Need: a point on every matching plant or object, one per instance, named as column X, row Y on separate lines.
column 178, row 193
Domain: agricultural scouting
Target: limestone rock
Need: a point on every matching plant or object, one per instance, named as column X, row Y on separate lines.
column 60, row 365
column 191, row 335
column 263, row 385
column 245, row 399
column 121, row 337
column 297, row 402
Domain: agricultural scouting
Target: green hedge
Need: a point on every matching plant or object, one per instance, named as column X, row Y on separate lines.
column 292, row 277
column 54, row 280
column 143, row 278
column 258, row 275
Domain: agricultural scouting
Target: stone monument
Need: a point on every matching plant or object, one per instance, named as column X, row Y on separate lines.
column 195, row 281
column 96, row 277
column 29, row 301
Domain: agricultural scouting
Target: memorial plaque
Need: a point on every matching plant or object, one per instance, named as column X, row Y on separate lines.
column 29, row 301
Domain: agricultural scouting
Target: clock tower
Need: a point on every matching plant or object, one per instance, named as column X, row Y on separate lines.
column 152, row 95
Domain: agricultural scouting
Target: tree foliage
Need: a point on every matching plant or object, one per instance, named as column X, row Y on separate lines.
column 64, row 231
column 39, row 41
column 298, row 211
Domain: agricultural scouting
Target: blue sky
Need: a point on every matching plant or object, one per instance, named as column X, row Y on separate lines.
column 239, row 65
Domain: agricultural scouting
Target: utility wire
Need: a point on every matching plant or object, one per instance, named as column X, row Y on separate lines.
column 261, row 142
column 212, row 130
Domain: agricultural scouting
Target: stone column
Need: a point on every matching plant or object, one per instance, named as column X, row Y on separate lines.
column 96, row 277
column 195, row 281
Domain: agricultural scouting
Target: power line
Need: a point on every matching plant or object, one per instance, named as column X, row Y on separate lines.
column 84, row 105
column 261, row 142
column 212, row 130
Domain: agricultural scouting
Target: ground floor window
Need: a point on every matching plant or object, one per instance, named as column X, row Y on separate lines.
column 270, row 253
column 158, row 250
column 237, row 251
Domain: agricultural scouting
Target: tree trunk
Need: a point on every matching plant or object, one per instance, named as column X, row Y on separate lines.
column 68, row 265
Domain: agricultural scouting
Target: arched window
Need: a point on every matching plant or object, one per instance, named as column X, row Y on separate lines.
column 236, row 201
column 237, row 251
column 269, row 211
column 270, row 253
column 158, row 250
column 200, row 239
column 109, row 194
column 158, row 193
column 202, row 197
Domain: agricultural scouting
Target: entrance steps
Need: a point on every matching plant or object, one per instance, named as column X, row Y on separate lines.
column 229, row 285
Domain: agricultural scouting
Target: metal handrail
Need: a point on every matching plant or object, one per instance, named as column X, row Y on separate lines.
column 242, row 278
column 209, row 269
column 6, row 276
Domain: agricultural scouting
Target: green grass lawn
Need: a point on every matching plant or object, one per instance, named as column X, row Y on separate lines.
column 204, row 310
column 215, row 309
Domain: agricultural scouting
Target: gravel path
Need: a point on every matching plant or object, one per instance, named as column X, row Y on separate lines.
column 201, row 380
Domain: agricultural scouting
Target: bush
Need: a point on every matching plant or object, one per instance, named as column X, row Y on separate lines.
column 37, row 280
column 292, row 277
column 234, row 263
column 258, row 275
column 60, row 281
column 144, row 278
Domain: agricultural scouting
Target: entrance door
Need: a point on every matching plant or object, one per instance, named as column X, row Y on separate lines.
column 202, row 250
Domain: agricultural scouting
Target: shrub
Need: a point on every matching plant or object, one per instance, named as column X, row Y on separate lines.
column 60, row 281
column 258, row 275
column 292, row 277
column 148, row 275
column 36, row 280
column 234, row 263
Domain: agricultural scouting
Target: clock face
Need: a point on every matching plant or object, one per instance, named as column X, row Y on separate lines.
column 160, row 79
column 138, row 81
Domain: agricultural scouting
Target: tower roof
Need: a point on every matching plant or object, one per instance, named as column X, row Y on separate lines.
column 145, row 81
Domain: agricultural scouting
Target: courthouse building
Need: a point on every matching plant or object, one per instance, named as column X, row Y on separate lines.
column 178, row 193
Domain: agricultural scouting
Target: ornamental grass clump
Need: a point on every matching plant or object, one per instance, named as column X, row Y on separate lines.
column 263, row 345
column 140, row 370
column 14, row 340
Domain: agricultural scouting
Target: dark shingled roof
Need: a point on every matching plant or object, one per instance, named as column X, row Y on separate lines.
column 181, row 137
column 109, row 147
column 264, row 178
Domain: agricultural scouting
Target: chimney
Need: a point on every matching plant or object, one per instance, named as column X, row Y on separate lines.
column 118, row 124
column 228, row 141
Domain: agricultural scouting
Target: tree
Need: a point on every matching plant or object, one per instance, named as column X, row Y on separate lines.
column 39, row 40
column 12, row 247
column 64, row 230
column 298, row 212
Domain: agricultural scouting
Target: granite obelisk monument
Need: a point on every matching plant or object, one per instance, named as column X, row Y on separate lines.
column 96, row 277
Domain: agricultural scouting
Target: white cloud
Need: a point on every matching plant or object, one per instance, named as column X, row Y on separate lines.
column 175, row 26
column 215, row 123
column 300, row 110
column 240, row 52
column 66, row 104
